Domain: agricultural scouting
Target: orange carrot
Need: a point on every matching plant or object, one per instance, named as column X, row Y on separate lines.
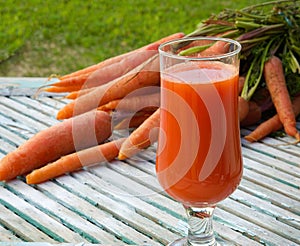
column 134, row 121
column 253, row 116
column 202, row 48
column 116, row 70
column 264, row 129
column 94, row 67
column 72, row 162
column 271, row 125
column 219, row 47
column 141, row 137
column 112, row 60
column 133, row 103
column 56, row 141
column 75, row 94
column 275, row 81
column 61, row 89
column 147, row 74
column 103, row 74
column 243, row 108
column 68, row 84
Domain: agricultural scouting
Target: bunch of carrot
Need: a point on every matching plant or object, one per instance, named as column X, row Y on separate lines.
column 122, row 92
column 118, row 93
column 270, row 63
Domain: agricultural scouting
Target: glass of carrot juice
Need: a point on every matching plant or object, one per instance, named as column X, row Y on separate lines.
column 199, row 160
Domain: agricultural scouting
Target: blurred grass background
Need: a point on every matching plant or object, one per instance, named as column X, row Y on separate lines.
column 44, row 37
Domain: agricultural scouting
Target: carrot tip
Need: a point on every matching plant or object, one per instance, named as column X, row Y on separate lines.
column 122, row 157
column 71, row 96
column 30, row 180
column 297, row 136
column 61, row 115
column 250, row 139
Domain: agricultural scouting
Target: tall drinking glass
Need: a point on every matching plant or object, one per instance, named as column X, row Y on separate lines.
column 199, row 160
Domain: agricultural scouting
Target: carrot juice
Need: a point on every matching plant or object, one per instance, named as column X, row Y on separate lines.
column 199, row 159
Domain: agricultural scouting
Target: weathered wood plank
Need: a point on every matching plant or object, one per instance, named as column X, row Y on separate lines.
column 289, row 147
column 62, row 100
column 121, row 211
column 39, row 219
column 269, row 195
column 20, row 119
column 132, row 175
column 267, row 208
column 6, row 147
column 37, row 105
column 8, row 236
column 51, row 102
column 143, row 203
column 274, row 152
column 128, row 186
column 70, row 219
column 99, row 217
column 10, row 136
column 21, row 227
column 272, row 162
column 28, row 111
column 114, row 185
column 273, row 173
column 141, row 171
column 149, row 154
column 143, row 164
column 247, row 228
column 232, row 237
column 272, row 184
column 17, row 128
column 262, row 220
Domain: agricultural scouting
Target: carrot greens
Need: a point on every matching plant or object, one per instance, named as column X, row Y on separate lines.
column 266, row 29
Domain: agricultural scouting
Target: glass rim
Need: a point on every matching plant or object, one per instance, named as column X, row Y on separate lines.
column 204, row 58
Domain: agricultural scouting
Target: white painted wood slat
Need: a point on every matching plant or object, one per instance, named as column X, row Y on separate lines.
column 38, row 106
column 38, row 218
column 99, row 217
column 7, row 235
column 51, row 102
column 270, row 195
column 121, row 211
column 28, row 111
column 66, row 216
column 20, row 119
column 112, row 183
column 11, row 136
column 271, row 162
column 21, row 227
column 288, row 233
column 274, row 152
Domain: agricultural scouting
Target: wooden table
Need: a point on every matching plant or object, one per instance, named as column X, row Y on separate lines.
column 122, row 203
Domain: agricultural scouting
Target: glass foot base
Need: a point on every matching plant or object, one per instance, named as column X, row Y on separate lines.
column 183, row 242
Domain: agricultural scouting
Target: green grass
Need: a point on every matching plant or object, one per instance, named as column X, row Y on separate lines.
column 40, row 37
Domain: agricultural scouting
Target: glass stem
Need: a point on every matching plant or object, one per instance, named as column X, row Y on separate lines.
column 200, row 231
